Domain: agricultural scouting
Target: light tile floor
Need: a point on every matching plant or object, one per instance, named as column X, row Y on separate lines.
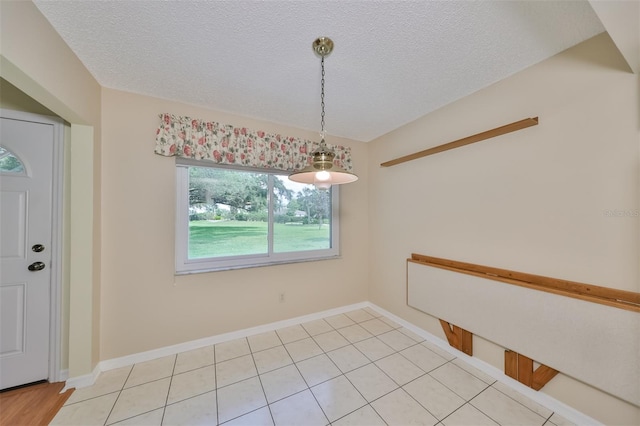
column 358, row 368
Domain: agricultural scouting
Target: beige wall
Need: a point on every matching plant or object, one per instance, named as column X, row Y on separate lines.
column 144, row 306
column 35, row 60
column 531, row 201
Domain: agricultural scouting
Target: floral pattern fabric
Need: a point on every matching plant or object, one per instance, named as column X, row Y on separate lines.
column 225, row 144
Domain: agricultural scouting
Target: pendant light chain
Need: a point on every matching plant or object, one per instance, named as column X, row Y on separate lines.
column 322, row 172
column 322, row 132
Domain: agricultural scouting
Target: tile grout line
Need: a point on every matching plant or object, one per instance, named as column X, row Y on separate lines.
column 119, row 393
column 142, row 384
column 215, row 381
column 342, row 374
column 548, row 420
column 486, row 414
column 166, row 400
column 371, row 362
column 325, row 353
column 215, row 384
column 460, row 407
column 515, row 400
column 426, row 373
column 264, row 392
column 481, row 410
column 303, row 378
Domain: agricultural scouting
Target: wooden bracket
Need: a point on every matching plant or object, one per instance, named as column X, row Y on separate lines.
column 459, row 338
column 520, row 367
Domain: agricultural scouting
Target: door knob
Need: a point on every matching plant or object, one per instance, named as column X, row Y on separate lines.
column 36, row 266
column 37, row 248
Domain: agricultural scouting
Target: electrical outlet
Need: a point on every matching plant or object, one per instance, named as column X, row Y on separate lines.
column 281, row 297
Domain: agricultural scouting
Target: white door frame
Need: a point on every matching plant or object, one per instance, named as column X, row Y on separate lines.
column 57, row 192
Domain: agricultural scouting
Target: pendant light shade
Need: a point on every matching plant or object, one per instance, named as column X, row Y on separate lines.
column 322, row 172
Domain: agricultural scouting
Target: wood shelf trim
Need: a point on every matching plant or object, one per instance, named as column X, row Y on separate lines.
column 622, row 299
column 498, row 131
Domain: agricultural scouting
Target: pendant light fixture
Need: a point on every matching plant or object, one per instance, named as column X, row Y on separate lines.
column 322, row 172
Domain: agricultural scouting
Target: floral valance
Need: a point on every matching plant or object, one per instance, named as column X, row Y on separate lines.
column 225, row 144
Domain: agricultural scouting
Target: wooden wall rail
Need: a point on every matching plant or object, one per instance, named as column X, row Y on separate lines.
column 507, row 128
column 606, row 296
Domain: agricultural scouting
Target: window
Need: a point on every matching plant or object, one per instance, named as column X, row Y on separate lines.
column 237, row 217
column 9, row 163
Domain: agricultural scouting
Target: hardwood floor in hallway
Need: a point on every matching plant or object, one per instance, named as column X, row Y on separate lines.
column 32, row 405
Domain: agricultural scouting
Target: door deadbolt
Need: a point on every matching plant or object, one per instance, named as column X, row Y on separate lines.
column 37, row 248
column 36, row 266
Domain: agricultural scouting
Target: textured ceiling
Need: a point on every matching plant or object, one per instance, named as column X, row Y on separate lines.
column 394, row 61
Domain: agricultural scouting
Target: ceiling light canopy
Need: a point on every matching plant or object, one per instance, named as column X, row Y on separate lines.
column 322, row 172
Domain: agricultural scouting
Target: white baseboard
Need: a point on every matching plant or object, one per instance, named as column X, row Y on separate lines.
column 82, row 381
column 63, row 375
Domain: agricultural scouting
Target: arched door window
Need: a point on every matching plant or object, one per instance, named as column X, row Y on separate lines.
column 9, row 163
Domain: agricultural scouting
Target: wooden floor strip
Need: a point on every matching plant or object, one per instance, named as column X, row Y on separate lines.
column 32, row 405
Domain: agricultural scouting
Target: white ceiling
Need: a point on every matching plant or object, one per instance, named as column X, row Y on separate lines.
column 394, row 61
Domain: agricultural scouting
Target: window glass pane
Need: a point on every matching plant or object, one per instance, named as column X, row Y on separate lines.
column 228, row 213
column 302, row 217
column 233, row 218
column 9, row 163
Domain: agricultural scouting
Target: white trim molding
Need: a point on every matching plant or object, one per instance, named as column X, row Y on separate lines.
column 83, row 381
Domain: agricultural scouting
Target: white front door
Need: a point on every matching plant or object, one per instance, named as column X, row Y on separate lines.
column 26, row 176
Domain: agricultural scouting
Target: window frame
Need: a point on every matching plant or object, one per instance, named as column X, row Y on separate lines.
column 184, row 265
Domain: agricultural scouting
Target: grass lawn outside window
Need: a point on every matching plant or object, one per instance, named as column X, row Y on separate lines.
column 237, row 238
